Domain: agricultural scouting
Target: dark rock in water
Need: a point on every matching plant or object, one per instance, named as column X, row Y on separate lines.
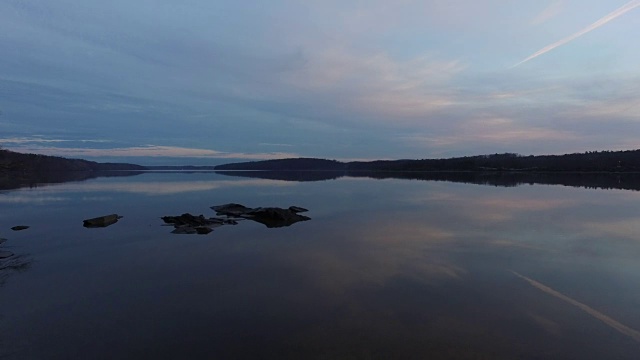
column 203, row 230
column 273, row 217
column 188, row 230
column 19, row 227
column 192, row 220
column 184, row 230
column 101, row 221
column 2, row 240
column 234, row 210
column 191, row 224
column 5, row 254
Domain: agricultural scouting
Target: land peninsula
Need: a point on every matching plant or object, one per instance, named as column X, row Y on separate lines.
column 597, row 161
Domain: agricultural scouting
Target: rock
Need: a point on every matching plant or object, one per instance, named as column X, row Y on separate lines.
column 5, row 254
column 233, row 210
column 184, row 230
column 19, row 227
column 189, row 230
column 101, row 221
column 2, row 240
column 191, row 224
column 192, row 220
column 273, row 217
column 203, row 230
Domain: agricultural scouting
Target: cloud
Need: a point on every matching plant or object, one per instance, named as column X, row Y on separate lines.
column 19, row 199
column 551, row 11
column 36, row 140
column 492, row 130
column 271, row 144
column 331, row 78
column 149, row 151
column 616, row 13
column 375, row 84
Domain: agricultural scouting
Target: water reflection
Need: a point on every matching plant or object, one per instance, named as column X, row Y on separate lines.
column 157, row 188
column 388, row 268
column 10, row 262
column 623, row 329
column 15, row 179
column 627, row 181
column 13, row 264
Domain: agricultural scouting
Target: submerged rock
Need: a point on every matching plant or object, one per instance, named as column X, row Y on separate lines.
column 2, row 240
column 101, row 221
column 5, row 254
column 19, row 227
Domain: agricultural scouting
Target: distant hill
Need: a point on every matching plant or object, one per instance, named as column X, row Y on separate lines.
column 32, row 163
column 602, row 161
column 286, row 164
column 181, row 168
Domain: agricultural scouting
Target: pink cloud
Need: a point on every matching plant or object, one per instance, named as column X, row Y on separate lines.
column 149, row 151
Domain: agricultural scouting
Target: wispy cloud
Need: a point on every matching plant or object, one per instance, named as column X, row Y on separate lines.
column 618, row 12
column 491, row 131
column 378, row 84
column 35, row 140
column 548, row 13
column 273, row 144
column 13, row 199
column 632, row 333
column 150, row 151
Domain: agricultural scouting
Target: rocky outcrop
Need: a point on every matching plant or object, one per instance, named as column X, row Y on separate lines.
column 19, row 228
column 192, row 224
column 271, row 217
column 101, row 221
column 230, row 214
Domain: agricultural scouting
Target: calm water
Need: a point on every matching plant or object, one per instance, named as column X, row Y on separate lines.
column 385, row 269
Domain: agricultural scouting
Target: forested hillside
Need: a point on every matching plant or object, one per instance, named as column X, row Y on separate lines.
column 33, row 163
column 602, row 161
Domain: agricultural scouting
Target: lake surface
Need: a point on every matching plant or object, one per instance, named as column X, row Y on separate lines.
column 385, row 268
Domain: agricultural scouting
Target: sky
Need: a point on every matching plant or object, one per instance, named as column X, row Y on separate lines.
column 215, row 81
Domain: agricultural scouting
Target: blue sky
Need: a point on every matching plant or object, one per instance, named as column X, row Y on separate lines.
column 216, row 81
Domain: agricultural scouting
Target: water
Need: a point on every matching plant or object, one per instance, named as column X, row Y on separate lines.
column 386, row 268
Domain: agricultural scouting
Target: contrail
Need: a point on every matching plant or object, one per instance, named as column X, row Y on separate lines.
column 634, row 334
column 618, row 12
